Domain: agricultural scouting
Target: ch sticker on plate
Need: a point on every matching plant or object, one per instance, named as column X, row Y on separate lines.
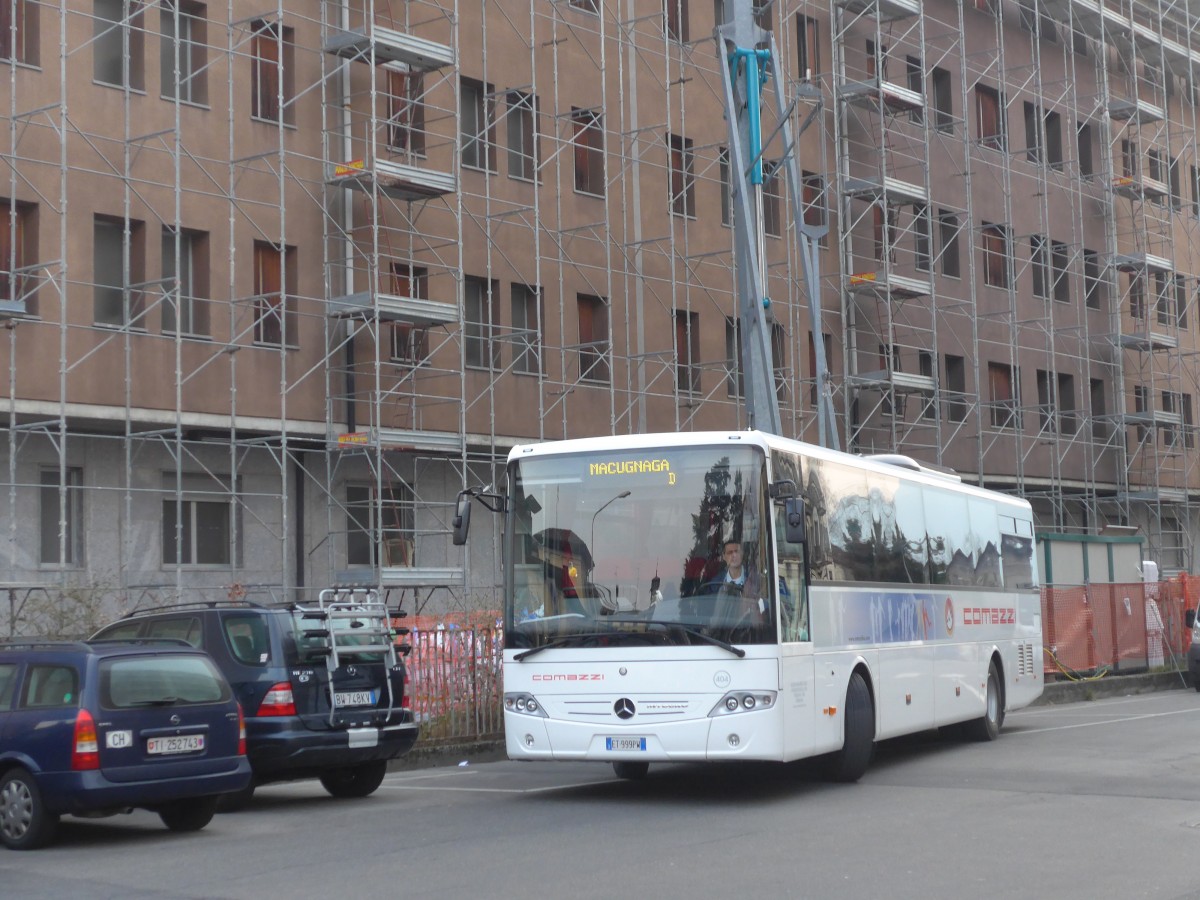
column 118, row 740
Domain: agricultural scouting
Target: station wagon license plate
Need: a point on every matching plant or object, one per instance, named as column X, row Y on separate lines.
column 624, row 743
column 186, row 743
column 354, row 698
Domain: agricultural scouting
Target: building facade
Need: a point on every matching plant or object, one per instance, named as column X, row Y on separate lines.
column 277, row 282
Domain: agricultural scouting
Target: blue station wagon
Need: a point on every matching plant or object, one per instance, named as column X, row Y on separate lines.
column 97, row 728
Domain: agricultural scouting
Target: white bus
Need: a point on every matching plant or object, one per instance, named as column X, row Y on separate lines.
column 876, row 598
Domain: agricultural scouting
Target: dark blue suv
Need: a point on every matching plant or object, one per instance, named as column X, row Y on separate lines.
column 322, row 686
column 96, row 728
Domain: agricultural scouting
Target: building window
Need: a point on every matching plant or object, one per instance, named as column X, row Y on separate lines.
column 410, row 343
column 588, row 140
column 406, row 111
column 272, row 55
column 995, row 244
column 763, row 14
column 591, row 6
column 943, row 100
column 1060, row 261
column 60, row 496
column 1087, row 164
column 523, row 139
column 275, row 274
column 1181, row 301
column 991, row 7
column 735, row 379
column 1173, row 167
column 1093, row 287
column 925, row 363
column 726, row 186
column 956, row 388
column 1099, row 408
column 1046, row 405
column 989, row 117
column 877, row 61
column 683, row 176
column 1196, row 191
column 18, row 253
column 114, row 302
column 675, row 20
column 921, row 227
column 1170, row 405
column 1004, row 397
column 117, row 47
column 808, row 47
column 948, row 234
column 1141, row 404
column 380, row 531
column 478, row 134
column 779, row 360
column 1164, row 300
column 593, row 339
column 812, row 199
column 19, row 34
column 1137, row 295
column 527, row 312
column 915, row 73
column 197, row 532
column 1067, row 422
column 687, row 351
column 1130, row 164
column 1039, row 264
column 481, row 321
column 185, row 281
column 772, row 198
column 184, row 28
column 1189, row 428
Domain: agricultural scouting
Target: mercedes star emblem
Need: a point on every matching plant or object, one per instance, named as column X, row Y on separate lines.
column 624, row 708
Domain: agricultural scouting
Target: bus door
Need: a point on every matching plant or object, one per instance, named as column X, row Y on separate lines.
column 797, row 693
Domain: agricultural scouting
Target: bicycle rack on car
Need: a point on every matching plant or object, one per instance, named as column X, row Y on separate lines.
column 356, row 621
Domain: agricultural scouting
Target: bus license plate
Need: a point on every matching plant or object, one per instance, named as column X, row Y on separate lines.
column 624, row 743
column 187, row 743
column 354, row 698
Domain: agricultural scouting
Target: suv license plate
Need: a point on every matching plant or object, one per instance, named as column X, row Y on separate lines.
column 188, row 743
column 625, row 743
column 354, row 698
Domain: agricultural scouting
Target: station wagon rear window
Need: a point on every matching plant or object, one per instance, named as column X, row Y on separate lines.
column 174, row 680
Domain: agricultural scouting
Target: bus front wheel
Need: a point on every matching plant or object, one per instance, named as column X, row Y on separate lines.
column 849, row 763
column 631, row 771
column 987, row 726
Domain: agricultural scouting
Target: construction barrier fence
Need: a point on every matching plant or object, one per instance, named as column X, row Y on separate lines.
column 456, row 690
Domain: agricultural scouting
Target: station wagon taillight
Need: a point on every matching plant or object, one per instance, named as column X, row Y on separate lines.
column 86, row 752
column 278, row 701
column 241, row 732
column 406, row 699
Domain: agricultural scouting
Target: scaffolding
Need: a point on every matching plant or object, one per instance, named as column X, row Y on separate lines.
column 277, row 281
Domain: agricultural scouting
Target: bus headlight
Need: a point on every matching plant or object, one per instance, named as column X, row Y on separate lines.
column 525, row 704
column 743, row 701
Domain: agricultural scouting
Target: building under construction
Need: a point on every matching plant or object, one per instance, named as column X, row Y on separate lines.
column 278, row 281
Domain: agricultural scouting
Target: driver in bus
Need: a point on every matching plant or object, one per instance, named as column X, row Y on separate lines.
column 738, row 581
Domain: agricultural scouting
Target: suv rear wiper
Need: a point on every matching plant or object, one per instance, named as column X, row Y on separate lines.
column 161, row 701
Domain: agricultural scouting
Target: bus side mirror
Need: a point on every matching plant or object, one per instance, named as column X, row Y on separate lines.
column 1189, row 618
column 793, row 511
column 462, row 518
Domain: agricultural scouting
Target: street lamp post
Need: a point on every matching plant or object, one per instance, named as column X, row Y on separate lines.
column 592, row 540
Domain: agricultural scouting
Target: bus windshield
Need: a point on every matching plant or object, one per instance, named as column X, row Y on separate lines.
column 644, row 547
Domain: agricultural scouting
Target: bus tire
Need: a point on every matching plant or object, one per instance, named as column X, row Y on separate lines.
column 631, row 771
column 987, row 727
column 849, row 763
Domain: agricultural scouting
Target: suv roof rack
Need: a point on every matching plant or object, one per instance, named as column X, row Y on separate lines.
column 41, row 643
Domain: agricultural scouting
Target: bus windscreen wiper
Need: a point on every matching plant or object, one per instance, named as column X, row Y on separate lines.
column 668, row 627
column 564, row 642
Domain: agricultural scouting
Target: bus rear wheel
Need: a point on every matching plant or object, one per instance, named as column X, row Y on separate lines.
column 631, row 771
column 987, row 726
column 849, row 763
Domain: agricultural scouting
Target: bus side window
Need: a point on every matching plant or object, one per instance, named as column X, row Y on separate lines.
column 793, row 598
